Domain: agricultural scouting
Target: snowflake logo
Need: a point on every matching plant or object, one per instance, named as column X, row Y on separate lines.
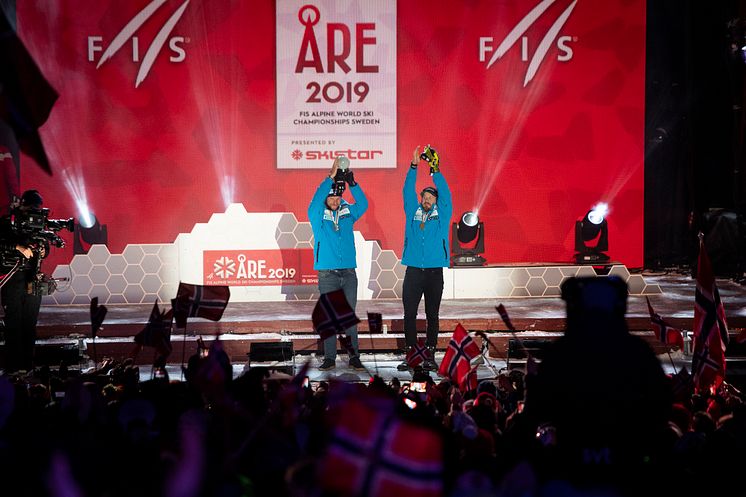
column 296, row 154
column 224, row 267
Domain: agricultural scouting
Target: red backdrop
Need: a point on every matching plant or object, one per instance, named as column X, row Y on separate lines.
column 534, row 158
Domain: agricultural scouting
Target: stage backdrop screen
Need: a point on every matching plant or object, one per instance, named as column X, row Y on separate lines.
column 170, row 110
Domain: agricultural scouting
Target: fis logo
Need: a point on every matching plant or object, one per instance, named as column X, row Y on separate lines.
column 128, row 33
column 486, row 43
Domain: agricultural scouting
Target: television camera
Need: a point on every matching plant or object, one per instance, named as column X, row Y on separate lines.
column 33, row 228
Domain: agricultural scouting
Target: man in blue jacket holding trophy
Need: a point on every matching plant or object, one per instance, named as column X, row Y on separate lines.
column 426, row 250
column 332, row 219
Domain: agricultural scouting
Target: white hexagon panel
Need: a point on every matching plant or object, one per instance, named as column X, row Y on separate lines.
column 141, row 273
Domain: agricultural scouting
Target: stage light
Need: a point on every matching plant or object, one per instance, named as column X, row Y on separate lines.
column 86, row 219
column 467, row 230
column 88, row 231
column 592, row 236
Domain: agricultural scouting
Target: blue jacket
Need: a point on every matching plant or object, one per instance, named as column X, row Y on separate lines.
column 429, row 245
column 334, row 243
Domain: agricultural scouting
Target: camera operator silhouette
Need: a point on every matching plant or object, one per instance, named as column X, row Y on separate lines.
column 25, row 235
column 610, row 419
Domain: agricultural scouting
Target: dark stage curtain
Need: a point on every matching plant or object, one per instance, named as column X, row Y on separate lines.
column 694, row 154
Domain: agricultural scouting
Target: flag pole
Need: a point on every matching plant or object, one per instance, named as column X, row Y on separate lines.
column 509, row 325
column 372, row 344
column 671, row 359
column 183, row 350
column 95, row 355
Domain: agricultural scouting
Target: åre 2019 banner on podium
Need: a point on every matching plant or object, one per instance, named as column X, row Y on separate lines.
column 336, row 83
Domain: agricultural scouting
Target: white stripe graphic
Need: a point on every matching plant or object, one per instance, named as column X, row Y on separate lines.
column 158, row 42
column 546, row 42
column 518, row 30
column 129, row 29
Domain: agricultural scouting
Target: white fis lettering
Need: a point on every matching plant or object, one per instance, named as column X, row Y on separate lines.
column 517, row 33
column 128, row 32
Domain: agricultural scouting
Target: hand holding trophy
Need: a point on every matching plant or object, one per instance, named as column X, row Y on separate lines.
column 431, row 156
column 339, row 173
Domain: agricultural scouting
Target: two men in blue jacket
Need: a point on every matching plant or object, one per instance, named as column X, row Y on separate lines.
column 426, row 251
column 332, row 220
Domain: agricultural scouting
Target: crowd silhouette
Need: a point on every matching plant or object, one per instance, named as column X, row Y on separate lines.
column 597, row 416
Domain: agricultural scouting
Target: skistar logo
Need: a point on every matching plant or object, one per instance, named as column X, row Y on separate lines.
column 327, row 155
column 551, row 37
column 128, row 33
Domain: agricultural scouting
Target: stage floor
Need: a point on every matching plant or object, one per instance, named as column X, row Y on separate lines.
column 676, row 302
column 243, row 323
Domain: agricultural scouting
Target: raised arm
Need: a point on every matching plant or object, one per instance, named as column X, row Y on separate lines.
column 445, row 202
column 361, row 202
column 409, row 193
column 318, row 202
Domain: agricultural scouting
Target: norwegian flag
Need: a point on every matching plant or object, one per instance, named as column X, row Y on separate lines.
column 418, row 354
column 26, row 99
column 710, row 328
column 332, row 314
column 375, row 322
column 373, row 452
column 207, row 302
column 157, row 332
column 665, row 332
column 469, row 382
column 461, row 350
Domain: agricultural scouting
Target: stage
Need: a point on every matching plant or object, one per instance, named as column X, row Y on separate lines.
column 64, row 332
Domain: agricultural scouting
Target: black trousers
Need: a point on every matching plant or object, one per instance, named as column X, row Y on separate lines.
column 21, row 314
column 419, row 282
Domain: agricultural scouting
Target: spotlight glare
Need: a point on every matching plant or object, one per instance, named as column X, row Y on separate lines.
column 86, row 218
column 227, row 189
column 598, row 213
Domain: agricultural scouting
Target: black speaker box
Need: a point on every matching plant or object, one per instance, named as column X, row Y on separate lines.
column 56, row 355
column 271, row 351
